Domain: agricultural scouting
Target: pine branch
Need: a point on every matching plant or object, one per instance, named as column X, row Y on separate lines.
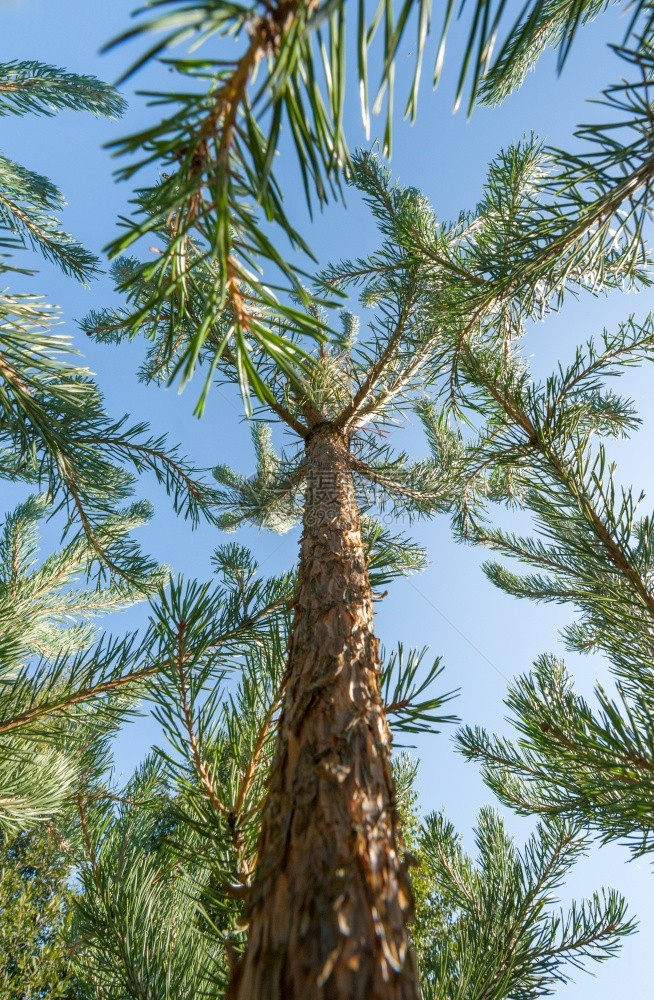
column 31, row 87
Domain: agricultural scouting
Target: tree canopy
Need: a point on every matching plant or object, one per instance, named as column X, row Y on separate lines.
column 265, row 851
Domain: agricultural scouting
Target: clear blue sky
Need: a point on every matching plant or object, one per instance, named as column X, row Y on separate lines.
column 484, row 636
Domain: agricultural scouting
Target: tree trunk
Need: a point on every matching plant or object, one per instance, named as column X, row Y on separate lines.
column 331, row 902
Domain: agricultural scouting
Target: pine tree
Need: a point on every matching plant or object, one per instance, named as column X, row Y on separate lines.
column 329, row 854
column 166, row 863
column 334, row 401
column 541, row 443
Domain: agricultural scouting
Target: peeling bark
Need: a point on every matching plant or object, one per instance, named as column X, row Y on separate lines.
column 331, row 900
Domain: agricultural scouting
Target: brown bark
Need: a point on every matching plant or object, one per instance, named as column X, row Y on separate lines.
column 331, row 901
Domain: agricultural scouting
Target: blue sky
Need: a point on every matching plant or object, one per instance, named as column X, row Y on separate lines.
column 484, row 636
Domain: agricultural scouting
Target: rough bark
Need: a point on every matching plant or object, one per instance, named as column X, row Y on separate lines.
column 331, row 901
